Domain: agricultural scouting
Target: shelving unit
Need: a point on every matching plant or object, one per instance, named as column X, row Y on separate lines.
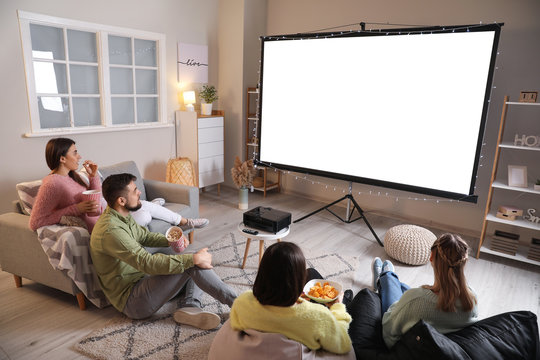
column 252, row 140
column 496, row 184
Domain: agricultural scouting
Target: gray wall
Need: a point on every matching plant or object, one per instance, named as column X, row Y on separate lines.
column 519, row 69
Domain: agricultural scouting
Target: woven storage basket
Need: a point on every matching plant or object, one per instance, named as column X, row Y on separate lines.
column 180, row 171
column 409, row 244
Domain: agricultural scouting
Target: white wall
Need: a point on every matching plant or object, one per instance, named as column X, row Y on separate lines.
column 22, row 159
column 518, row 64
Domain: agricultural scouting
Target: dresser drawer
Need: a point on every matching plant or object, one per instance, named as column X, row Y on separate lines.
column 210, row 177
column 210, row 122
column 210, row 149
column 211, row 163
column 210, row 134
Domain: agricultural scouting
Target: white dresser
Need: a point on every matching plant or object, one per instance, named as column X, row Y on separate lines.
column 201, row 139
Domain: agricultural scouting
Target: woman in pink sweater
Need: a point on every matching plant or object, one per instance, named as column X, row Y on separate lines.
column 60, row 194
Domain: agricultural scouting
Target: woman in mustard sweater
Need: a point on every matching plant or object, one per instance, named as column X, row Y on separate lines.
column 274, row 305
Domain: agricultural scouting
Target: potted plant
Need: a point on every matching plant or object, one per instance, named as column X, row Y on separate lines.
column 242, row 175
column 209, row 94
column 537, row 185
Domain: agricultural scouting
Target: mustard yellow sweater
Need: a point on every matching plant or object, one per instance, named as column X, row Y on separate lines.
column 311, row 324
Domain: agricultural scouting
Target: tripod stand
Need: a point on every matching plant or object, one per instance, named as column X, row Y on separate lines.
column 348, row 214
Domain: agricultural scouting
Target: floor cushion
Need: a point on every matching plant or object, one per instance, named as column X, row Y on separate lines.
column 409, row 244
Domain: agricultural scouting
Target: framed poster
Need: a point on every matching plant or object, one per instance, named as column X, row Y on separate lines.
column 192, row 63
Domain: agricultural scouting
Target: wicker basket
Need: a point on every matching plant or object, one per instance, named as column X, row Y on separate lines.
column 180, row 171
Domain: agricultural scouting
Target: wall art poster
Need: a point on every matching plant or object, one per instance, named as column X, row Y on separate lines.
column 192, row 63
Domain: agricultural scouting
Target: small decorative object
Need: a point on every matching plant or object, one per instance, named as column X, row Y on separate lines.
column 537, row 185
column 527, row 140
column 528, row 96
column 510, row 210
column 510, row 217
column 531, row 217
column 517, row 176
column 209, row 94
column 242, row 175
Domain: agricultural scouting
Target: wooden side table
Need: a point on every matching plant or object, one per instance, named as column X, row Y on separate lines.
column 261, row 236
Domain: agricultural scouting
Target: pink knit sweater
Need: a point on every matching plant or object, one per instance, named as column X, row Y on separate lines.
column 58, row 196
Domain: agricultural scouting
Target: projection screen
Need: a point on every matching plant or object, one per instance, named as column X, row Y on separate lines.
column 403, row 109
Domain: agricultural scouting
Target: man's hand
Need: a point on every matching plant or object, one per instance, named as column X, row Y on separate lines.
column 203, row 259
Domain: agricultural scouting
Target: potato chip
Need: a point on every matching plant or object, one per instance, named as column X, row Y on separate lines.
column 324, row 291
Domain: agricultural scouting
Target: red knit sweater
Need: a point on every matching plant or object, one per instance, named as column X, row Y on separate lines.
column 58, row 196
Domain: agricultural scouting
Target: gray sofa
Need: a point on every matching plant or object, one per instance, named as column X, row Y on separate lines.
column 23, row 256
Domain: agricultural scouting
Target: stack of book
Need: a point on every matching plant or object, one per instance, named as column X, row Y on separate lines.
column 534, row 250
column 505, row 242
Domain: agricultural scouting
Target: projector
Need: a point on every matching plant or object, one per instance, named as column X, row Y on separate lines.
column 267, row 219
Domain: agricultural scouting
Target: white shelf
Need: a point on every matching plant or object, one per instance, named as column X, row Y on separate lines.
column 528, row 189
column 517, row 147
column 518, row 222
column 253, row 118
column 522, row 103
column 521, row 254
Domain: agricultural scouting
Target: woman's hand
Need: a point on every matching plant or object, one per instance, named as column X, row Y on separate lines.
column 90, row 167
column 88, row 206
column 203, row 259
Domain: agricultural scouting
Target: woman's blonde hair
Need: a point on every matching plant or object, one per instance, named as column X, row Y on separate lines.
column 450, row 254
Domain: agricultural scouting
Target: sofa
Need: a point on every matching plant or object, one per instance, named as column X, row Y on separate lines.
column 512, row 335
column 23, row 254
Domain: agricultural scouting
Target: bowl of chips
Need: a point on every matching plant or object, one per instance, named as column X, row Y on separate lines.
column 322, row 291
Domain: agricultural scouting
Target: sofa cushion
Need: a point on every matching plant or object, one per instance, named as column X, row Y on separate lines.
column 27, row 192
column 512, row 335
column 124, row 167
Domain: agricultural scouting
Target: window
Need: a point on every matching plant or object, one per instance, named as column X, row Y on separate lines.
column 85, row 77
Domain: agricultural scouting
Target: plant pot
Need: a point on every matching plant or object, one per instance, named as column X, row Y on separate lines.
column 536, row 187
column 243, row 198
column 206, row 109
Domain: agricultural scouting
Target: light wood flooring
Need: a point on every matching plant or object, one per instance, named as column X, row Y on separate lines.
column 37, row 322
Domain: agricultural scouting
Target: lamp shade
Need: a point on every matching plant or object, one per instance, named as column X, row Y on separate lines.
column 189, row 97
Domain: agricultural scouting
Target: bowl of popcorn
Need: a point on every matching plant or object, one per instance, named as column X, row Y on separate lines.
column 322, row 291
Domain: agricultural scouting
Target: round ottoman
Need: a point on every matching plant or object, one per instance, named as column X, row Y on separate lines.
column 409, row 244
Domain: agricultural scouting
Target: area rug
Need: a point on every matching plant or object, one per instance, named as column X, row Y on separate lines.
column 159, row 337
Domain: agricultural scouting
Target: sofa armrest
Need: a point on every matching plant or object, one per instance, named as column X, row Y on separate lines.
column 172, row 193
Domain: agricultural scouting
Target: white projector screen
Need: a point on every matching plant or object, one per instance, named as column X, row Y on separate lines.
column 401, row 110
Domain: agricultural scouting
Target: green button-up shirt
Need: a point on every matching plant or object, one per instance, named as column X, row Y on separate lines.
column 120, row 259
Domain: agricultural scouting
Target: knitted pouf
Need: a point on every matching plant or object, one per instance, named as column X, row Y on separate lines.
column 409, row 244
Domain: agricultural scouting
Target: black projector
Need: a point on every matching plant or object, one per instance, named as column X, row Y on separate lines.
column 267, row 219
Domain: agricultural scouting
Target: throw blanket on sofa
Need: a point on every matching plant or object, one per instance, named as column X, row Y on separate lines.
column 67, row 250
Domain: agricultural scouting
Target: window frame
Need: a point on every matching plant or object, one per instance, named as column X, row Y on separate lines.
column 102, row 35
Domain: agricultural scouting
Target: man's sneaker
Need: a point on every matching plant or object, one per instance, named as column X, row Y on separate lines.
column 196, row 317
column 376, row 269
column 387, row 266
column 194, row 224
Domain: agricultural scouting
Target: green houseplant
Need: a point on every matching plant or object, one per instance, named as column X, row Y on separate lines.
column 208, row 94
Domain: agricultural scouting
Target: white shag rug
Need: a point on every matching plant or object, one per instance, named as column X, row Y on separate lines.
column 159, row 337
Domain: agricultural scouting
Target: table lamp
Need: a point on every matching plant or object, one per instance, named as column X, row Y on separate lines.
column 189, row 100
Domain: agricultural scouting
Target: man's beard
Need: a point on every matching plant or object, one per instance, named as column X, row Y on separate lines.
column 133, row 208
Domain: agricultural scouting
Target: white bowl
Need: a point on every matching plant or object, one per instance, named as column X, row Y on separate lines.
column 312, row 283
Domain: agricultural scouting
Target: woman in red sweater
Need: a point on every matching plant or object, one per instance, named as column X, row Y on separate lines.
column 60, row 194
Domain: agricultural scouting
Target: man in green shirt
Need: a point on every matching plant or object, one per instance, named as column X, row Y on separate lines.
column 138, row 282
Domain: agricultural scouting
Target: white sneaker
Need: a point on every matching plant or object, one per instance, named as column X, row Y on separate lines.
column 196, row 317
column 194, row 224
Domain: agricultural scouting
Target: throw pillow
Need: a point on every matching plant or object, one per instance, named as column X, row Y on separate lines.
column 27, row 192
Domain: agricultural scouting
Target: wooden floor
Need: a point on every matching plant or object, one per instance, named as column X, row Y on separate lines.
column 41, row 323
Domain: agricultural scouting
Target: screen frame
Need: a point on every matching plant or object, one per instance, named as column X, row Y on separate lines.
column 470, row 197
